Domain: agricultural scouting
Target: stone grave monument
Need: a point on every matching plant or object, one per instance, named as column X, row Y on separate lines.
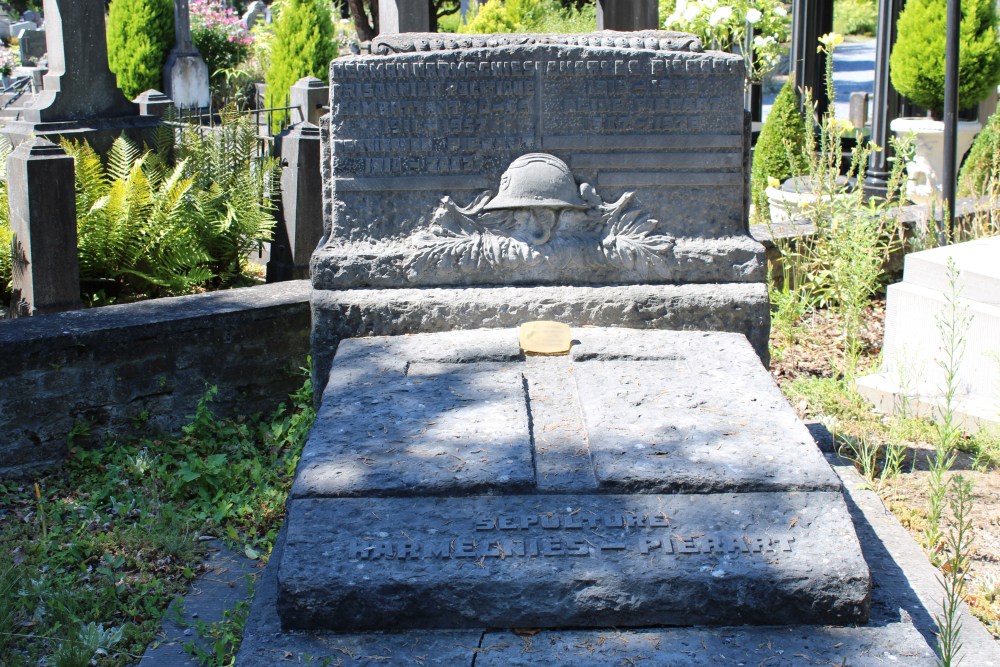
column 185, row 74
column 490, row 180
column 630, row 498
column 81, row 99
column 453, row 481
column 915, row 349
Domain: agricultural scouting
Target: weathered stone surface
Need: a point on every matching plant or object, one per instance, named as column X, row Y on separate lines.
column 627, row 411
column 739, row 307
column 689, row 412
column 421, row 428
column 653, row 142
column 440, row 419
column 571, row 560
column 707, row 647
column 113, row 368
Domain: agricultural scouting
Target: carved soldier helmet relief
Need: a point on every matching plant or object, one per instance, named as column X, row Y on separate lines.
column 540, row 217
column 537, row 180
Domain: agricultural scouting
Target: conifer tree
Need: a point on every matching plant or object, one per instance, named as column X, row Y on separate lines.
column 916, row 65
column 140, row 36
column 780, row 149
column 303, row 46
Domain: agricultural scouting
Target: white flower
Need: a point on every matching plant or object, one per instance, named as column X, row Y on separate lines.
column 721, row 14
column 691, row 13
column 780, row 11
column 753, row 15
column 710, row 4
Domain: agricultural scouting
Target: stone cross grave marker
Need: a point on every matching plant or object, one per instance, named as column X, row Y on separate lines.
column 185, row 74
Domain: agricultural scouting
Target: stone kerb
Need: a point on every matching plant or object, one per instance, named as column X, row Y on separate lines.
column 535, row 162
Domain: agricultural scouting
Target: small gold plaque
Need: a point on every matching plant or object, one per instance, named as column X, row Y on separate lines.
column 545, row 337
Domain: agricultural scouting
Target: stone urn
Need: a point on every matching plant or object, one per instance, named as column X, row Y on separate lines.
column 923, row 185
column 795, row 198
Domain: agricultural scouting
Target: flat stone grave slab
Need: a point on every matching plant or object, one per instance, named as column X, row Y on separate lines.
column 647, row 478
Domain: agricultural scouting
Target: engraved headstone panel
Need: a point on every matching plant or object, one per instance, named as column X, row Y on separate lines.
column 421, row 139
column 571, row 561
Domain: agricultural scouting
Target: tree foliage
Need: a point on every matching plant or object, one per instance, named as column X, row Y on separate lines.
column 140, row 36
column 916, row 65
column 303, row 45
column 981, row 168
column 780, row 151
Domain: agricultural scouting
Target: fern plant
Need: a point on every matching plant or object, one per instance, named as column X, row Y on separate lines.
column 135, row 220
column 234, row 189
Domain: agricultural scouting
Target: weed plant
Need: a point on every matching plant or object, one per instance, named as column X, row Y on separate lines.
column 958, row 546
column 92, row 554
column 839, row 264
column 952, row 324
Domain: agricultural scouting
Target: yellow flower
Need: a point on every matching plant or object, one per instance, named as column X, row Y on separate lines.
column 772, row 182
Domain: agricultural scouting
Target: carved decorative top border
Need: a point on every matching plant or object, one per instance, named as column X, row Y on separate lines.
column 655, row 40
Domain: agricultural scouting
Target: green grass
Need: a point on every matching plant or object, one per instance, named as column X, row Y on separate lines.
column 102, row 546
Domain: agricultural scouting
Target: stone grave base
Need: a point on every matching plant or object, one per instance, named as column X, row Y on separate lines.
column 461, row 503
column 905, row 597
column 736, row 307
column 919, row 311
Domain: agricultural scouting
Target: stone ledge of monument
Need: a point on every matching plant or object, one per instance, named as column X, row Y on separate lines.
column 105, row 367
column 659, row 40
column 740, row 307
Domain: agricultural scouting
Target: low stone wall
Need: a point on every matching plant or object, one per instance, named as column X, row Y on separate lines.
column 112, row 369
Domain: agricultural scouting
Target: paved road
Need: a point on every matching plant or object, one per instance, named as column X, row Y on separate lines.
column 853, row 70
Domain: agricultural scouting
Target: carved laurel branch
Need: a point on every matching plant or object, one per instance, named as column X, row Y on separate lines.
column 611, row 235
column 655, row 40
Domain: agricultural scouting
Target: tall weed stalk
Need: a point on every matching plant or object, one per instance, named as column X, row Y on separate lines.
column 952, row 324
column 958, row 546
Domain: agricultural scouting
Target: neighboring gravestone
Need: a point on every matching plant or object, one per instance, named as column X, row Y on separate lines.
column 32, row 47
column 300, row 222
column 185, row 74
column 918, row 320
column 46, row 275
column 595, row 179
column 81, row 99
column 648, row 478
column 255, row 12
column 395, row 16
column 18, row 27
column 33, row 16
column 308, row 95
column 628, row 14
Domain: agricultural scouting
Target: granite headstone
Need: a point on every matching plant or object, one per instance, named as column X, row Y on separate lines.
column 572, row 168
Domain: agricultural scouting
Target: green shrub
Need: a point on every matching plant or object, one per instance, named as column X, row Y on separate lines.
column 855, row 17
column 498, row 16
column 303, row 46
column 916, row 65
column 982, row 166
column 780, row 151
column 140, row 36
